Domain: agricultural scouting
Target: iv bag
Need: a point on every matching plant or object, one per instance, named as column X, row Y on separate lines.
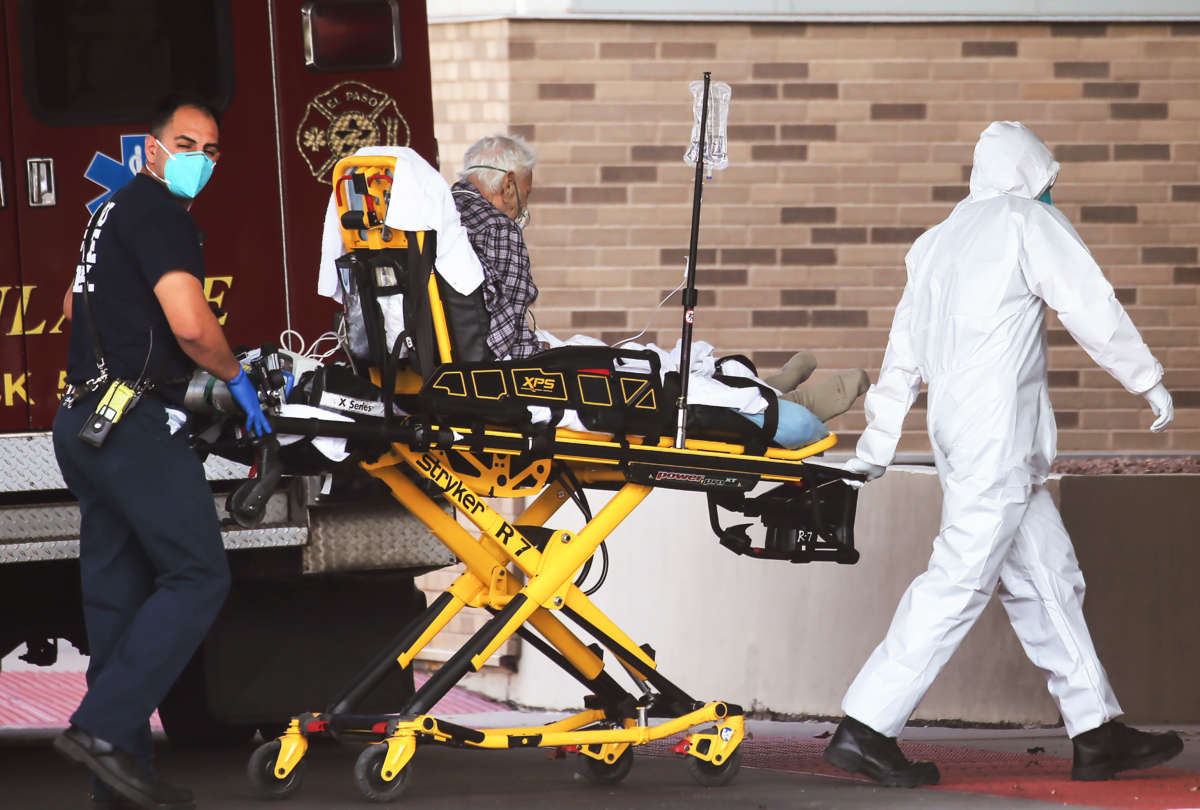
column 716, row 147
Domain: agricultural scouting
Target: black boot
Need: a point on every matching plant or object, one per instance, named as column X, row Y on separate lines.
column 1102, row 752
column 120, row 772
column 858, row 748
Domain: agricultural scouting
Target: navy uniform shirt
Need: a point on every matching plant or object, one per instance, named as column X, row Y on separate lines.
column 139, row 235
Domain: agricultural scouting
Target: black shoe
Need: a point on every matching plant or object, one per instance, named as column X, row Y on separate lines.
column 1114, row 746
column 119, row 771
column 858, row 748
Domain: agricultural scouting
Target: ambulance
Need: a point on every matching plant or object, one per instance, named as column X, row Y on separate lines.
column 328, row 577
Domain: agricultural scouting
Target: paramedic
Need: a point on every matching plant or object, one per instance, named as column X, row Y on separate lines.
column 152, row 565
column 971, row 323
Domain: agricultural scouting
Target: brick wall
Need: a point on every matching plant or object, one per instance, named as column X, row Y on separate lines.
column 846, row 141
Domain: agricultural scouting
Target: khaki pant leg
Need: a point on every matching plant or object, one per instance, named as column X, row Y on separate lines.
column 831, row 396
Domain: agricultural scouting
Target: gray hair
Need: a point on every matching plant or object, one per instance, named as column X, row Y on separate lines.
column 508, row 153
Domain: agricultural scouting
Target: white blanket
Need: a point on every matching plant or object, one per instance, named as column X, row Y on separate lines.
column 329, row 446
column 420, row 201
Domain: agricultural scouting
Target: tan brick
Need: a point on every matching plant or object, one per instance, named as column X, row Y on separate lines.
column 1022, row 69
column 1142, row 440
column 558, row 174
column 868, row 214
column 571, row 50
column 1057, row 91
column 1141, row 69
column 1185, row 69
column 840, row 70
column 1178, row 295
column 627, row 50
column 588, row 154
column 1081, row 440
column 910, row 70
column 959, row 111
column 836, row 112
column 623, row 92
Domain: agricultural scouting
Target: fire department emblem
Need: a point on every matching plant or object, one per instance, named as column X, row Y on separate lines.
column 345, row 118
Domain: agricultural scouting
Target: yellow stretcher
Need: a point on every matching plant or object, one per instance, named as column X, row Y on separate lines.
column 466, row 439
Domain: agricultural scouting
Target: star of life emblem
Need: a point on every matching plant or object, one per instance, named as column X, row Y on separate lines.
column 110, row 174
column 345, row 118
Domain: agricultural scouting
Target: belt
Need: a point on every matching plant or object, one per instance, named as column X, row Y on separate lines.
column 74, row 392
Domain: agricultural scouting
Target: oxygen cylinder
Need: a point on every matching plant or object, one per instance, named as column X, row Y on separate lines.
column 206, row 394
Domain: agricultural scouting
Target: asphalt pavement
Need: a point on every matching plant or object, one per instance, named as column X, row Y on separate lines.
column 981, row 768
column 34, row 777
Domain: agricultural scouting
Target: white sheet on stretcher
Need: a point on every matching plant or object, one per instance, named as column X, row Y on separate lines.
column 332, row 448
column 420, row 201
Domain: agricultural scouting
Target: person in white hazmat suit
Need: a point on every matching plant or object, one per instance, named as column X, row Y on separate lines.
column 971, row 324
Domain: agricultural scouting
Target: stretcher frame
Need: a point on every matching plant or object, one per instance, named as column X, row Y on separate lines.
column 523, row 573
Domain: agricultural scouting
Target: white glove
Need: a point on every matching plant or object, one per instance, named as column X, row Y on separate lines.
column 857, row 465
column 1160, row 402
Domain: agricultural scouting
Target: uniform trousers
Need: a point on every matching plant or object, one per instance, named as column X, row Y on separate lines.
column 152, row 565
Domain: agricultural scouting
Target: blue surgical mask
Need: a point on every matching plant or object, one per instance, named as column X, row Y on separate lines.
column 1045, row 198
column 186, row 173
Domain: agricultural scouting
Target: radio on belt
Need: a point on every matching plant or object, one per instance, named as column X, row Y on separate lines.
column 116, row 402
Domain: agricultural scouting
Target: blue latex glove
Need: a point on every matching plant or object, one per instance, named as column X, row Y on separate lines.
column 289, row 382
column 246, row 396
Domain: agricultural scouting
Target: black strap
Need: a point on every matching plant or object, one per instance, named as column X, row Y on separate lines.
column 766, row 434
column 737, row 358
column 390, row 372
column 88, row 247
column 143, row 384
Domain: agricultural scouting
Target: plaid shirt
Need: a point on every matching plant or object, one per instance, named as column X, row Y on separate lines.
column 508, row 287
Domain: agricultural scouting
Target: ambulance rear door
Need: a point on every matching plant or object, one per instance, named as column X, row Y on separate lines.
column 349, row 73
column 83, row 78
column 14, row 409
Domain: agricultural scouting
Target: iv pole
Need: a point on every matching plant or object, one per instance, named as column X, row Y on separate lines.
column 689, row 291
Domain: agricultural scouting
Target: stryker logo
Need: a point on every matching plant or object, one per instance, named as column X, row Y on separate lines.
column 457, row 490
column 671, row 475
column 345, row 404
column 449, row 484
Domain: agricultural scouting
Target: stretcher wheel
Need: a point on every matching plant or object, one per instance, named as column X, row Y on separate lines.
column 261, row 770
column 710, row 775
column 599, row 772
column 368, row 775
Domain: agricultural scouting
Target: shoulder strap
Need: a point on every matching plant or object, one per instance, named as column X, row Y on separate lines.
column 766, row 433
column 88, row 236
column 737, row 358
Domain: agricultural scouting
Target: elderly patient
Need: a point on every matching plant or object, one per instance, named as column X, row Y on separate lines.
column 492, row 197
